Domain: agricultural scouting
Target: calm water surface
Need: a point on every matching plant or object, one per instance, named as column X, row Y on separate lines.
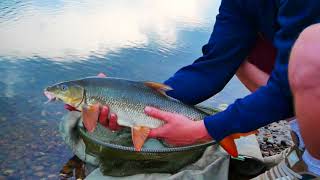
column 47, row 41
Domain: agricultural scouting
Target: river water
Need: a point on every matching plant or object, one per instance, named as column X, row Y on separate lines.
column 47, row 41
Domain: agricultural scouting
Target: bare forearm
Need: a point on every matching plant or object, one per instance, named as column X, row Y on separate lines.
column 251, row 76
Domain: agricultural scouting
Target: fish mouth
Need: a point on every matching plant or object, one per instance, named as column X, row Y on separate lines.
column 51, row 97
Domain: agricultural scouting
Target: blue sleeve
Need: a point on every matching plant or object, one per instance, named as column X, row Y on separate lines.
column 274, row 101
column 229, row 44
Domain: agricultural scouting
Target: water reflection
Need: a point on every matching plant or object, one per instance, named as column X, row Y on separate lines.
column 46, row 41
column 79, row 29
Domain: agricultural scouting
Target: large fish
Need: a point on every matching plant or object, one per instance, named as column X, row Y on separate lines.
column 127, row 99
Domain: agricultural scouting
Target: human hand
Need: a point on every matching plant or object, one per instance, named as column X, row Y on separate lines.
column 106, row 118
column 179, row 130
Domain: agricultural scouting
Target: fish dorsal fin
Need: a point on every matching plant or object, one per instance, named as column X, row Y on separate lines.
column 139, row 135
column 90, row 115
column 159, row 87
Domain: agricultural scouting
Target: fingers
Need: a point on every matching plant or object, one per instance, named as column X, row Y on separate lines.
column 108, row 121
column 158, row 132
column 162, row 115
column 158, row 114
column 113, row 122
column 101, row 75
column 103, row 116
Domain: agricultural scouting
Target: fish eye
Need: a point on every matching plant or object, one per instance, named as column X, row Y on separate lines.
column 64, row 87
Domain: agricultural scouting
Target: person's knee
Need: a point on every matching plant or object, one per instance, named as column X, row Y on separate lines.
column 304, row 63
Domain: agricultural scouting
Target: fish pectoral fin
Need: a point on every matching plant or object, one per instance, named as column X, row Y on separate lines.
column 229, row 145
column 161, row 88
column 238, row 135
column 139, row 136
column 90, row 115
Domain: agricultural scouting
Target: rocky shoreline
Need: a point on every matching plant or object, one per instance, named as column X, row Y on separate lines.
column 274, row 138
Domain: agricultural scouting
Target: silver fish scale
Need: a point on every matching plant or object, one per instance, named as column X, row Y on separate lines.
column 129, row 98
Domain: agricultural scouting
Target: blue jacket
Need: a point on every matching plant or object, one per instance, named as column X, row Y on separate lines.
column 233, row 36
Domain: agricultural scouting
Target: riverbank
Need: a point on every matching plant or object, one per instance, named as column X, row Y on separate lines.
column 274, row 138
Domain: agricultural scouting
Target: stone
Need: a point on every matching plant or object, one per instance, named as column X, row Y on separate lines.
column 43, row 121
column 44, row 113
column 37, row 168
column 270, row 141
column 3, row 119
column 265, row 139
column 265, row 153
column 52, row 176
column 8, row 172
column 38, row 154
column 40, row 173
column 284, row 143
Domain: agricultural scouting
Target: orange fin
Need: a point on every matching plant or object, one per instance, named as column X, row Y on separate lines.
column 229, row 145
column 90, row 116
column 161, row 88
column 139, row 136
column 238, row 135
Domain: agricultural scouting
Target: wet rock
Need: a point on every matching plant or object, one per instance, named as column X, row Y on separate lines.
column 52, row 176
column 271, row 153
column 8, row 172
column 39, row 154
column 33, row 146
column 274, row 138
column 44, row 113
column 270, row 141
column 59, row 113
column 37, row 168
column 43, row 121
column 3, row 119
column 265, row 153
column 285, row 143
column 46, row 163
column 40, row 174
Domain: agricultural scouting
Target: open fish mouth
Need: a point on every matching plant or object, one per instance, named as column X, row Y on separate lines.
column 51, row 97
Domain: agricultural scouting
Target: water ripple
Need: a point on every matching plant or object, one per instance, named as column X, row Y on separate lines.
column 69, row 29
column 48, row 41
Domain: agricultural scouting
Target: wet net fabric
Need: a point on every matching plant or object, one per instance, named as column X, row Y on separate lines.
column 214, row 162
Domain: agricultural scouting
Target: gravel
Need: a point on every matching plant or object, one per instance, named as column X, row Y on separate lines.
column 274, row 138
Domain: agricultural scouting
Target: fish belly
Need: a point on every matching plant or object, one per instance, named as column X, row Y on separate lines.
column 133, row 118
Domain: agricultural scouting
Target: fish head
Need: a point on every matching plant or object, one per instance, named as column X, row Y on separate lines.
column 69, row 92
